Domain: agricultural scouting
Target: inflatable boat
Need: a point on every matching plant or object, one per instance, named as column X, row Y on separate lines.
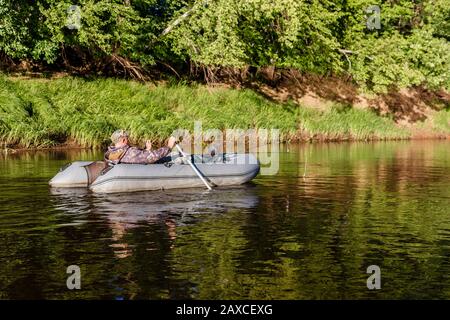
column 98, row 176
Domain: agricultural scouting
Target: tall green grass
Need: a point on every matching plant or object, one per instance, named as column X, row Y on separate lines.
column 346, row 123
column 440, row 122
column 41, row 113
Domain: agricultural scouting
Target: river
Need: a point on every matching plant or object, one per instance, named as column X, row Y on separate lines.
column 287, row 236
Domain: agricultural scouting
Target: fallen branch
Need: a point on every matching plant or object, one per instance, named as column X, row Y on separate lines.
column 181, row 18
column 168, row 66
column 135, row 71
column 345, row 52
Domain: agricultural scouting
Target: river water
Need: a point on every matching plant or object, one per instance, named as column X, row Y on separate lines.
column 286, row 236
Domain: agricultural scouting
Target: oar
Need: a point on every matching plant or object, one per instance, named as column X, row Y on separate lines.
column 193, row 167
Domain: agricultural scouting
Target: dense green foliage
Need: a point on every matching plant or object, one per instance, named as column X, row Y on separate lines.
column 38, row 112
column 320, row 36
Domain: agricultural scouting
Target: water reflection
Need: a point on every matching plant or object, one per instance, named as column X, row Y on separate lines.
column 170, row 208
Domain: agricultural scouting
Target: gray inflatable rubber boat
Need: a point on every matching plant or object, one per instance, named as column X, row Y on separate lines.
column 221, row 170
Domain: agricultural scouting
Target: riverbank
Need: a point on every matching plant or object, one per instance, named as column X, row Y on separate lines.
column 42, row 113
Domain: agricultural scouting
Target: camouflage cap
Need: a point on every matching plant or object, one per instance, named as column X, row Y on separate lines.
column 119, row 134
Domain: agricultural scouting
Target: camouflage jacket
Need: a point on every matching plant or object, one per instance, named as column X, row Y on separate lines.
column 134, row 155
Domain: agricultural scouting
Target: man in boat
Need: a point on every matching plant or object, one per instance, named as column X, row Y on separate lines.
column 122, row 152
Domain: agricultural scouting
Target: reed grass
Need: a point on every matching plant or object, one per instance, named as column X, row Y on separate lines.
column 49, row 112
